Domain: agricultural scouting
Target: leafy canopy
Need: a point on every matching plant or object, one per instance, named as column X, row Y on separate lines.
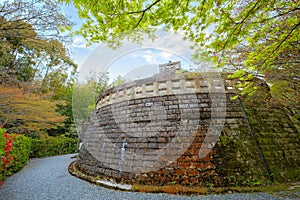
column 36, row 71
column 252, row 38
column 31, row 40
column 268, row 28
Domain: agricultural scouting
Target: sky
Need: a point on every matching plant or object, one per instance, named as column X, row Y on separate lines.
column 131, row 60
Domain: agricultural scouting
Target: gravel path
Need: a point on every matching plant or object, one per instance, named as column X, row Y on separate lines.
column 48, row 178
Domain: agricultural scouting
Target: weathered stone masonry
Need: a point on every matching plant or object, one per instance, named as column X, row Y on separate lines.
column 157, row 126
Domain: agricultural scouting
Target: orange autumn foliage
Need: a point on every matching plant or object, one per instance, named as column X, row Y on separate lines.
column 27, row 111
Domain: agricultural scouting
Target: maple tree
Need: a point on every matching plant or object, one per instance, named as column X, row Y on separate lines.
column 268, row 28
column 36, row 71
column 27, row 112
column 251, row 38
column 217, row 29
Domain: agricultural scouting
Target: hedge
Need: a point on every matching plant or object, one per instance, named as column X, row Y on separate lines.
column 53, row 146
column 6, row 158
column 24, row 148
column 21, row 152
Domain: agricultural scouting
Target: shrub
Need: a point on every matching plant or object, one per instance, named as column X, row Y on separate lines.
column 15, row 150
column 21, row 151
column 53, row 146
column 6, row 143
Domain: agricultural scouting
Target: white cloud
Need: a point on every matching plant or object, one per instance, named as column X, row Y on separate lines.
column 79, row 42
column 149, row 56
column 135, row 54
column 165, row 55
column 167, row 47
column 171, row 41
column 153, row 55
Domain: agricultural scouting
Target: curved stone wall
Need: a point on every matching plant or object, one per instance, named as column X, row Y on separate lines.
column 152, row 131
column 166, row 83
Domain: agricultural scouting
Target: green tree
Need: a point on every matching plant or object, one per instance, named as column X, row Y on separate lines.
column 61, row 87
column 85, row 95
column 34, row 60
column 118, row 81
column 252, row 38
column 23, row 59
column 32, row 42
column 266, row 28
column 43, row 16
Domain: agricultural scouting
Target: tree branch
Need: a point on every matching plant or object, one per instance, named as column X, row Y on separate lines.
column 279, row 15
column 228, row 16
column 240, row 24
column 281, row 42
column 143, row 12
column 146, row 9
column 202, row 6
column 141, row 18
